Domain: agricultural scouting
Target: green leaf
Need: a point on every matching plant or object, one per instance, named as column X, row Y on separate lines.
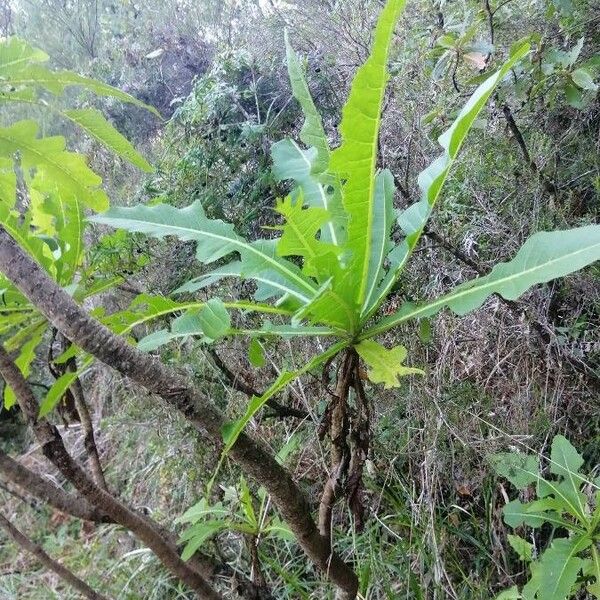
column 24, row 360
column 571, row 500
column 35, row 75
column 299, row 237
column 200, row 510
column 516, row 513
column 214, row 319
column 531, row 588
column 64, row 214
column 583, row 79
column 355, row 161
column 510, row 594
column 319, row 190
column 96, row 125
column 308, row 168
column 425, row 333
column 522, row 547
column 48, row 157
column 16, row 54
column 543, row 257
column 60, row 387
column 145, row 308
column 594, row 588
column 198, row 534
column 279, row 529
column 231, row 431
column 312, row 132
column 574, row 96
column 385, row 366
column 330, row 306
column 294, row 330
column 246, row 503
column 573, row 53
column 520, row 469
column 256, row 354
column 212, row 322
column 566, row 461
column 56, row 393
column 559, row 566
column 381, row 231
column 432, row 179
column 215, row 239
column 20, row 228
column 8, row 185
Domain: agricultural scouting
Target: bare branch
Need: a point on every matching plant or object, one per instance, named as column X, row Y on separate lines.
column 64, row 573
column 43, row 489
column 54, row 450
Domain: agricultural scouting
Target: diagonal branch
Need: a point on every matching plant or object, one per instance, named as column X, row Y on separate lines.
column 22, row 540
column 89, row 439
column 93, row 337
column 41, row 488
column 54, row 450
column 76, row 397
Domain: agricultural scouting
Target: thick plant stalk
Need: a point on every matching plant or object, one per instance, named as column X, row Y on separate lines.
column 93, row 337
column 340, row 453
column 41, row 488
column 55, row 451
column 360, row 439
column 22, row 540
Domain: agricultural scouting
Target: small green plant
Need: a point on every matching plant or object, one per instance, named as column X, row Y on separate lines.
column 569, row 503
column 44, row 191
column 236, row 512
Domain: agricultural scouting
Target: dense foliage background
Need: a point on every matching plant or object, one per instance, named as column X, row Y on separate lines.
column 511, row 375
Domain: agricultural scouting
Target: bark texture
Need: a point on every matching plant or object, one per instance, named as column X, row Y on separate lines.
column 93, row 337
column 41, row 488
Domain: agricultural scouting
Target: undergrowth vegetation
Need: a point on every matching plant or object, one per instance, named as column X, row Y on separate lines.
column 357, row 264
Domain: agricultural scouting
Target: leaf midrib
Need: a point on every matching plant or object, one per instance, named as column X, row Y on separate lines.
column 235, row 241
column 456, row 295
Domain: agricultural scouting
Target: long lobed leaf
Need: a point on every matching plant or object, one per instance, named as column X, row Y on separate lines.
column 355, row 161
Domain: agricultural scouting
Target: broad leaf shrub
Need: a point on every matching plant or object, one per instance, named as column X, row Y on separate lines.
column 328, row 264
column 567, row 501
column 335, row 262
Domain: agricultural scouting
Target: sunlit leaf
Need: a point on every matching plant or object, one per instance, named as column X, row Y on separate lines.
column 385, row 366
